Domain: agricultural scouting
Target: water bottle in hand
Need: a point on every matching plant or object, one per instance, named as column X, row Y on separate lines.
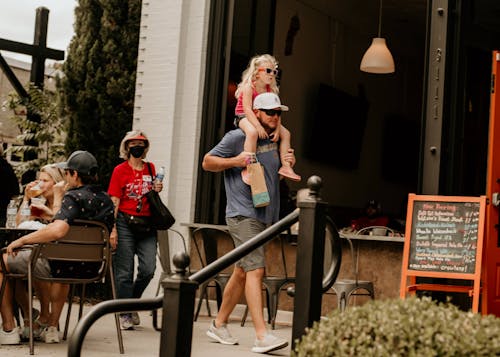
column 11, row 215
column 160, row 174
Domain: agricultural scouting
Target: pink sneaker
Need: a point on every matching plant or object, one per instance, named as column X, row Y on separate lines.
column 287, row 171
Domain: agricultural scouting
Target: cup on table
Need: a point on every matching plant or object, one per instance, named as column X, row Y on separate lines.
column 37, row 201
column 379, row 231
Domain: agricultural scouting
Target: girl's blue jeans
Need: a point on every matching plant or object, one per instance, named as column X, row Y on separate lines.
column 129, row 245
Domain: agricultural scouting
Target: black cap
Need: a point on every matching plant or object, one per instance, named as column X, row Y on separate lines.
column 81, row 161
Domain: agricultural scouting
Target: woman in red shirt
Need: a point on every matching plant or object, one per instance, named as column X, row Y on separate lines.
column 132, row 234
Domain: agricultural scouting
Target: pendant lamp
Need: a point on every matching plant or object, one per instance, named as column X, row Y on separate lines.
column 378, row 58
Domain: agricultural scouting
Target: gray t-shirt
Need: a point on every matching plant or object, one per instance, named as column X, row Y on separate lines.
column 238, row 194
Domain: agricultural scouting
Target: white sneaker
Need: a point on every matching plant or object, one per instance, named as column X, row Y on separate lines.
column 9, row 338
column 269, row 343
column 50, row 335
column 126, row 322
column 135, row 319
column 221, row 334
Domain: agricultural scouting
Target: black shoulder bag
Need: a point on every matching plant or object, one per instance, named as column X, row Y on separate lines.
column 161, row 218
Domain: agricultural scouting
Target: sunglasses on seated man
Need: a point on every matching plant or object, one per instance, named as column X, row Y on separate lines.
column 271, row 112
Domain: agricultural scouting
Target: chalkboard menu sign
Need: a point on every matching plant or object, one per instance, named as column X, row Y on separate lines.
column 443, row 239
column 444, row 236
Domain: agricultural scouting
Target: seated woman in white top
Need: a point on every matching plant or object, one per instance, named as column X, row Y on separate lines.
column 49, row 187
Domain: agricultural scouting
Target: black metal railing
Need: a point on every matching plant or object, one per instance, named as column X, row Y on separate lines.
column 179, row 289
column 239, row 252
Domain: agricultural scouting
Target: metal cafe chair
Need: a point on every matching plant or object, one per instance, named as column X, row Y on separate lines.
column 273, row 285
column 345, row 288
column 87, row 242
column 203, row 240
column 211, row 243
column 164, row 257
column 332, row 257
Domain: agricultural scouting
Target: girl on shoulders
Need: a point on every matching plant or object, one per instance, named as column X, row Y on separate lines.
column 260, row 77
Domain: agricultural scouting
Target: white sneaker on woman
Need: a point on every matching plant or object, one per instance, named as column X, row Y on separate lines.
column 10, row 338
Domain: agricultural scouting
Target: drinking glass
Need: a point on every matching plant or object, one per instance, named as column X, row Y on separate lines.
column 36, row 212
column 36, row 190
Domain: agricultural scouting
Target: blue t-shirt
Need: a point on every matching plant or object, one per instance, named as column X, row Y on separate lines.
column 238, row 194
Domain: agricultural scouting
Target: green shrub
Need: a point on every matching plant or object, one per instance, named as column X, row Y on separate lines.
column 409, row 327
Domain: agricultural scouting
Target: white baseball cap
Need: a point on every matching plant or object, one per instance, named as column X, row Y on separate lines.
column 268, row 100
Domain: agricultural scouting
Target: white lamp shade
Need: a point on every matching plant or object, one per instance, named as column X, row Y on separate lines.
column 377, row 58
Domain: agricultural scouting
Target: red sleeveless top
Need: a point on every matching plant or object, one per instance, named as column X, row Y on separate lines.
column 238, row 110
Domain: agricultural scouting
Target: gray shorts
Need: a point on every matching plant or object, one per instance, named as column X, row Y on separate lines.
column 242, row 229
column 19, row 264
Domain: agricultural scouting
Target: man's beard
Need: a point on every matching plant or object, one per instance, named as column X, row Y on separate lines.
column 267, row 128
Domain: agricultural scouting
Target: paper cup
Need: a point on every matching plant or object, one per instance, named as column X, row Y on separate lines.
column 379, row 231
column 38, row 200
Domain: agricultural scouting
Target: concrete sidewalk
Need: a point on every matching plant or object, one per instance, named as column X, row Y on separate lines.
column 101, row 340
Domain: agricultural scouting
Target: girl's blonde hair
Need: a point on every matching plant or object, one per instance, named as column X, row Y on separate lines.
column 55, row 173
column 249, row 75
column 132, row 135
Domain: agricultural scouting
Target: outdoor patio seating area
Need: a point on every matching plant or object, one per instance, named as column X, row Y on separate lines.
column 145, row 341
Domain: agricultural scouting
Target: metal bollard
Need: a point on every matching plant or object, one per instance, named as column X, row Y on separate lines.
column 310, row 256
column 178, row 310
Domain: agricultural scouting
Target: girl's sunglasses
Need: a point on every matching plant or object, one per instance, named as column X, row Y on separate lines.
column 272, row 112
column 269, row 71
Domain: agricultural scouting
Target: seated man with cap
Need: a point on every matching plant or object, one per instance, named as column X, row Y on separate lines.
column 373, row 216
column 83, row 200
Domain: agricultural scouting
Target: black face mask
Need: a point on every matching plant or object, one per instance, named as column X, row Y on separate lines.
column 137, row 151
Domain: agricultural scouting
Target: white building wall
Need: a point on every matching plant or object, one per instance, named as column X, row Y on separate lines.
column 169, row 94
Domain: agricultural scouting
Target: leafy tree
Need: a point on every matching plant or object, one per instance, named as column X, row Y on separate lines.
column 99, row 83
column 48, row 132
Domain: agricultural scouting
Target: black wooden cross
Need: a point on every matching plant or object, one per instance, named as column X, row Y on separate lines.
column 38, row 52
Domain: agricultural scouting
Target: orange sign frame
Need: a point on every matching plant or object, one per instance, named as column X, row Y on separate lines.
column 490, row 302
column 408, row 276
